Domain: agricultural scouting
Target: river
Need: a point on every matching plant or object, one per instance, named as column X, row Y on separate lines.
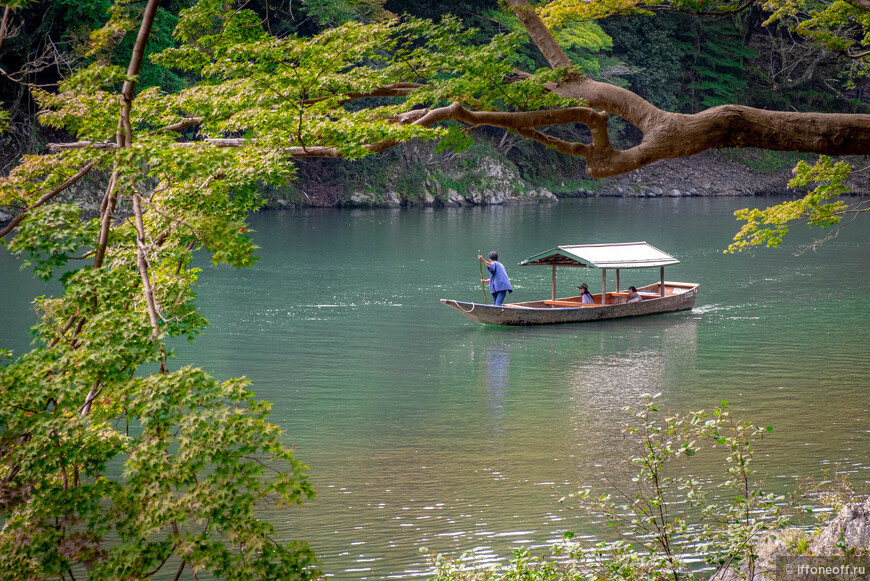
column 423, row 429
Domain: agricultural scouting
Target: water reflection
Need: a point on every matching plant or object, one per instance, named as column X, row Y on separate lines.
column 652, row 356
column 498, row 361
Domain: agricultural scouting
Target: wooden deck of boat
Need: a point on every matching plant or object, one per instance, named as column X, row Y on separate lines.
column 651, row 291
column 678, row 297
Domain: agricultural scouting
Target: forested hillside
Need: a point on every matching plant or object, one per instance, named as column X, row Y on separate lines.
column 677, row 60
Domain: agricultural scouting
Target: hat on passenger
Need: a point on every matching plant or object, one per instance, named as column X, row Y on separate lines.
column 583, row 286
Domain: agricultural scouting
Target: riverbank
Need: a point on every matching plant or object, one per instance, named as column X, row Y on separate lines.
column 840, row 550
column 842, row 545
column 489, row 178
column 416, row 176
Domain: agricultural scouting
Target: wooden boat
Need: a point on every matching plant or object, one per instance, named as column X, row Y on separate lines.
column 659, row 297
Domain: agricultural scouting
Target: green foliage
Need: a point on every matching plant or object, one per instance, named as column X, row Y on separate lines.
column 768, row 227
column 178, row 493
column 581, row 41
column 564, row 564
column 473, row 74
column 106, row 464
column 455, row 139
column 719, row 65
column 654, row 51
column 49, row 235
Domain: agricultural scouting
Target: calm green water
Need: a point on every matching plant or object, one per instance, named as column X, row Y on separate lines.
column 425, row 429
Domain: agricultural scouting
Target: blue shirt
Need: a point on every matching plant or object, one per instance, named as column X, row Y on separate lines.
column 498, row 280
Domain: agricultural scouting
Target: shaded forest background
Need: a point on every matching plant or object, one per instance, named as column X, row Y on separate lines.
column 679, row 62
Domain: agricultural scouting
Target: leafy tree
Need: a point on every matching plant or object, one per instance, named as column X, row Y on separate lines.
column 108, row 470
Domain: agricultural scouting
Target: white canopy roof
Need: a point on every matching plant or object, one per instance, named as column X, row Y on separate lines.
column 622, row 255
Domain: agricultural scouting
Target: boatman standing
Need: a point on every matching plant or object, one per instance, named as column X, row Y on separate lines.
column 499, row 284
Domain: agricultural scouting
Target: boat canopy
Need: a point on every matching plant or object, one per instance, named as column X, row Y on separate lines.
column 622, row 255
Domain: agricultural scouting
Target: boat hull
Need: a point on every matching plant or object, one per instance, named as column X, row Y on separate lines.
column 678, row 297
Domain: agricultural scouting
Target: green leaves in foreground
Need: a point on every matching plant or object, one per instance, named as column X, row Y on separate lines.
column 169, row 471
column 768, row 227
column 113, row 465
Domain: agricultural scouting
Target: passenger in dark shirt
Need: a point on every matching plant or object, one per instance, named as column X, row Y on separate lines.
column 585, row 298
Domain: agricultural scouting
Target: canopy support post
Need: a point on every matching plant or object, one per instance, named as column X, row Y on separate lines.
column 553, row 294
column 662, row 287
column 617, row 280
column 603, row 286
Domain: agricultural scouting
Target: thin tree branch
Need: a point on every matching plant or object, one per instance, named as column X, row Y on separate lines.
column 47, row 197
column 92, row 395
column 124, row 136
column 142, row 260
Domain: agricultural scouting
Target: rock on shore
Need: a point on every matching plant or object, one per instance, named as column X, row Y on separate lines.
column 488, row 182
column 847, row 534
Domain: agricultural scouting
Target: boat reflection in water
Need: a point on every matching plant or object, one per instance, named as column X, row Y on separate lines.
column 549, row 403
column 651, row 359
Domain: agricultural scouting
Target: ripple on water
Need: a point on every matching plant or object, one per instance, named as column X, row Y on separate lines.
column 373, row 379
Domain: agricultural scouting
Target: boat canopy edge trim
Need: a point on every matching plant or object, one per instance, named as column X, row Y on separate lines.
column 620, row 255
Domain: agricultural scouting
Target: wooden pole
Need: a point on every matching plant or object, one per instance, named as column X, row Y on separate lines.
column 662, row 287
column 482, row 284
column 553, row 293
column 603, row 286
column 617, row 280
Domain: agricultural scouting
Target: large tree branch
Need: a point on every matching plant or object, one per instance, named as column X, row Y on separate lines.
column 732, row 126
column 666, row 135
column 540, row 34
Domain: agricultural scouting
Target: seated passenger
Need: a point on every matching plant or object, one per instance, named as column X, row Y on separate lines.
column 633, row 297
column 585, row 297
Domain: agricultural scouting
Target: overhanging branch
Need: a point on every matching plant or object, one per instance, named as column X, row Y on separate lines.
column 666, row 135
